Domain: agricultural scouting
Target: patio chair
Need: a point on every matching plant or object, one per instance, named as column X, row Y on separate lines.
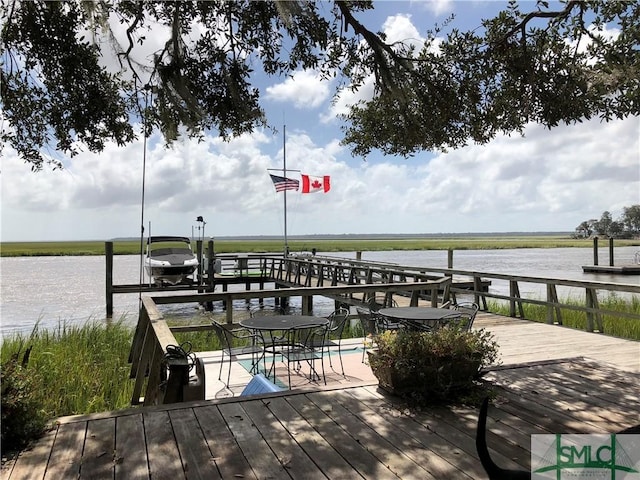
column 378, row 301
column 450, row 319
column 234, row 342
column 269, row 340
column 467, row 311
column 337, row 322
column 370, row 328
column 305, row 344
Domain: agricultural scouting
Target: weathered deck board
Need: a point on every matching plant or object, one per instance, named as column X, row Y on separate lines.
column 315, row 445
column 129, row 434
column 342, row 433
column 230, row 461
column 353, row 430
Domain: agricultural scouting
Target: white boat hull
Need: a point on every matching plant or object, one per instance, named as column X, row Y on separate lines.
column 173, row 262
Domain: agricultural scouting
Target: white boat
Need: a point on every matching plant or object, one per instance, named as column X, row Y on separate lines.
column 170, row 260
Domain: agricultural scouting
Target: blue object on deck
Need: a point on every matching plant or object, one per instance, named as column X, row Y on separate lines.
column 260, row 384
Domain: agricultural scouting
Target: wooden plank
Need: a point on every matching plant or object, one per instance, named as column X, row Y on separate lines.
column 541, row 413
column 130, row 463
column 99, row 446
column 516, row 454
column 66, row 454
column 310, row 440
column 414, row 441
column 606, row 390
column 31, row 464
column 455, row 445
column 533, row 382
column 350, row 448
column 281, row 441
column 254, row 447
column 227, row 455
column 197, row 460
column 164, row 457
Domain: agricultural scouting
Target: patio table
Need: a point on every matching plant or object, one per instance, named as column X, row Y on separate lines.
column 429, row 316
column 274, row 331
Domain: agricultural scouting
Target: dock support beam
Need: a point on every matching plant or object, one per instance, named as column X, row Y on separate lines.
column 108, row 254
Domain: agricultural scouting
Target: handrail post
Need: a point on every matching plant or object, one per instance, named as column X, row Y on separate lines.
column 108, row 255
column 211, row 257
column 199, row 256
column 611, row 252
column 178, row 378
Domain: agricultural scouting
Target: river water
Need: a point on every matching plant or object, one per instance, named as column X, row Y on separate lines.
column 54, row 291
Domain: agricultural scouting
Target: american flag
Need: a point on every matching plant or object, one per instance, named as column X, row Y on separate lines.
column 283, row 183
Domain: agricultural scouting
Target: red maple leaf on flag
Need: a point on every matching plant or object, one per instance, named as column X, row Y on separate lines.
column 315, row 184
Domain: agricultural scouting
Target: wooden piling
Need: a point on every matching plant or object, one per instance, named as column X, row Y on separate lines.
column 108, row 255
column 611, row 252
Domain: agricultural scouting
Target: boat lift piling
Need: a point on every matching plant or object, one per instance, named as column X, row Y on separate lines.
column 204, row 281
column 633, row 269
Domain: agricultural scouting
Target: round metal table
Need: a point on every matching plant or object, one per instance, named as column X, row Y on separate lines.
column 273, row 342
column 416, row 314
column 431, row 317
column 282, row 322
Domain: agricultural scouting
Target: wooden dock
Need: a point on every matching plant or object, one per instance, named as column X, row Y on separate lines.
column 553, row 380
column 617, row 270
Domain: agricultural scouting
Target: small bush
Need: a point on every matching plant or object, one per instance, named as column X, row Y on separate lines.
column 443, row 366
column 23, row 420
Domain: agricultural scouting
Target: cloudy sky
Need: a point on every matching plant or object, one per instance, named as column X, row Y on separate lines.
column 550, row 180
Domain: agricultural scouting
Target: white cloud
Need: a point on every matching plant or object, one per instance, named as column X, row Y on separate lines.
column 439, row 7
column 399, row 28
column 305, row 89
column 549, row 180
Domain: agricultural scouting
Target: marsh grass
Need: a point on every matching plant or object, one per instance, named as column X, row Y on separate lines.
column 132, row 247
column 613, row 325
column 78, row 369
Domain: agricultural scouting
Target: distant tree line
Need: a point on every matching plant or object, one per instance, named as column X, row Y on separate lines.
column 627, row 226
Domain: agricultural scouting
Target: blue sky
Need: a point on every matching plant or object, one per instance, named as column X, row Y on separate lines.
column 550, row 180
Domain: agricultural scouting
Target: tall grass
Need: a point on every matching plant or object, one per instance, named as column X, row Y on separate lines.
column 440, row 242
column 79, row 369
column 614, row 325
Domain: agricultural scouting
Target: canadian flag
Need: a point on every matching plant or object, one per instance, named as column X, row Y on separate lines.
column 315, row 184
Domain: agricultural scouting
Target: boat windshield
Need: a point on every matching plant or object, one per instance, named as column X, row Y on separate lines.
column 170, row 248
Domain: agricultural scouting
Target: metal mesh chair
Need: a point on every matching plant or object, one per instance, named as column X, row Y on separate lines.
column 370, row 329
column 234, row 342
column 378, row 301
column 305, row 344
column 335, row 329
column 467, row 314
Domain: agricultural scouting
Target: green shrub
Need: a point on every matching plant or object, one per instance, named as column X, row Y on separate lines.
column 429, row 367
column 73, row 369
column 23, row 419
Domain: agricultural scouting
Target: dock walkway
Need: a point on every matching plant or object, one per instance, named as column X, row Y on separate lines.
column 552, row 380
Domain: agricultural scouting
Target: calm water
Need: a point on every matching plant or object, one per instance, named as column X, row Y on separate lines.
column 64, row 290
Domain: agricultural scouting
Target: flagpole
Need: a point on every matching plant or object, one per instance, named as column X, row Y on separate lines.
column 284, row 168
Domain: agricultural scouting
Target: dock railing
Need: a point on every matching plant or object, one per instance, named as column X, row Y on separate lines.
column 159, row 375
column 475, row 284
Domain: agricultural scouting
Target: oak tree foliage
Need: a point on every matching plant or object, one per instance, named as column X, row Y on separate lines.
column 191, row 67
column 627, row 226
